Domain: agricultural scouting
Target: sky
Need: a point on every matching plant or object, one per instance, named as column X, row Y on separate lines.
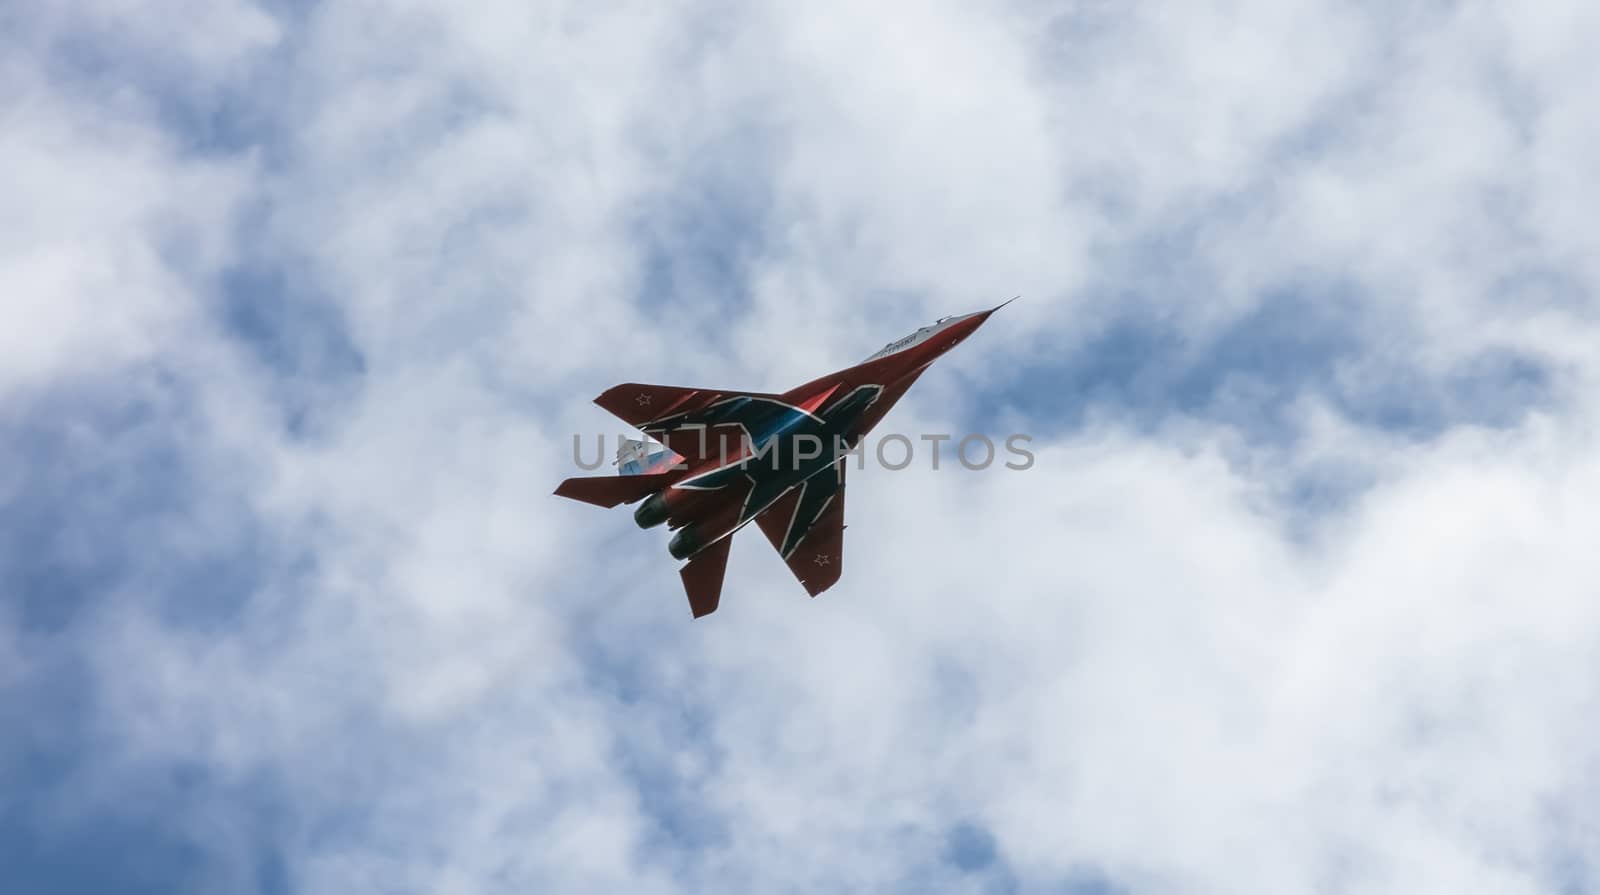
column 307, row 301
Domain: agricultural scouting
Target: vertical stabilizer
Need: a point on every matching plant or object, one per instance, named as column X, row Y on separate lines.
column 635, row 456
column 702, row 577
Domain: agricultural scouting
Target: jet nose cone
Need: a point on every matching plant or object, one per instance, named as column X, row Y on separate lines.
column 984, row 315
column 965, row 325
column 952, row 331
column 971, row 322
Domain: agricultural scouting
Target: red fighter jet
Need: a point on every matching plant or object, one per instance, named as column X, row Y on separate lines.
column 729, row 457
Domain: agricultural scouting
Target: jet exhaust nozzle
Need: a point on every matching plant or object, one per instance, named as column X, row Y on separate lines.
column 652, row 512
column 684, row 543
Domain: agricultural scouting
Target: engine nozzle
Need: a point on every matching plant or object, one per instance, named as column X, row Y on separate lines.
column 652, row 512
column 684, row 543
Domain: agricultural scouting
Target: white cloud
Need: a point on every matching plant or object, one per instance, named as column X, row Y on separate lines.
column 106, row 224
column 1137, row 658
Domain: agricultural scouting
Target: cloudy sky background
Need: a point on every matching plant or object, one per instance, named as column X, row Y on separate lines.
column 304, row 302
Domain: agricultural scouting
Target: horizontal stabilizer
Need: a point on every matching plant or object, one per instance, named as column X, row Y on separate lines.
column 702, row 577
column 610, row 490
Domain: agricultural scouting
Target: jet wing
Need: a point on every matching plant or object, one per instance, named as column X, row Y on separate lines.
column 639, row 405
column 681, row 418
column 806, row 527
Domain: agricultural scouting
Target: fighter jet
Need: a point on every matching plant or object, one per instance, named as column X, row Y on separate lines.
column 727, row 458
